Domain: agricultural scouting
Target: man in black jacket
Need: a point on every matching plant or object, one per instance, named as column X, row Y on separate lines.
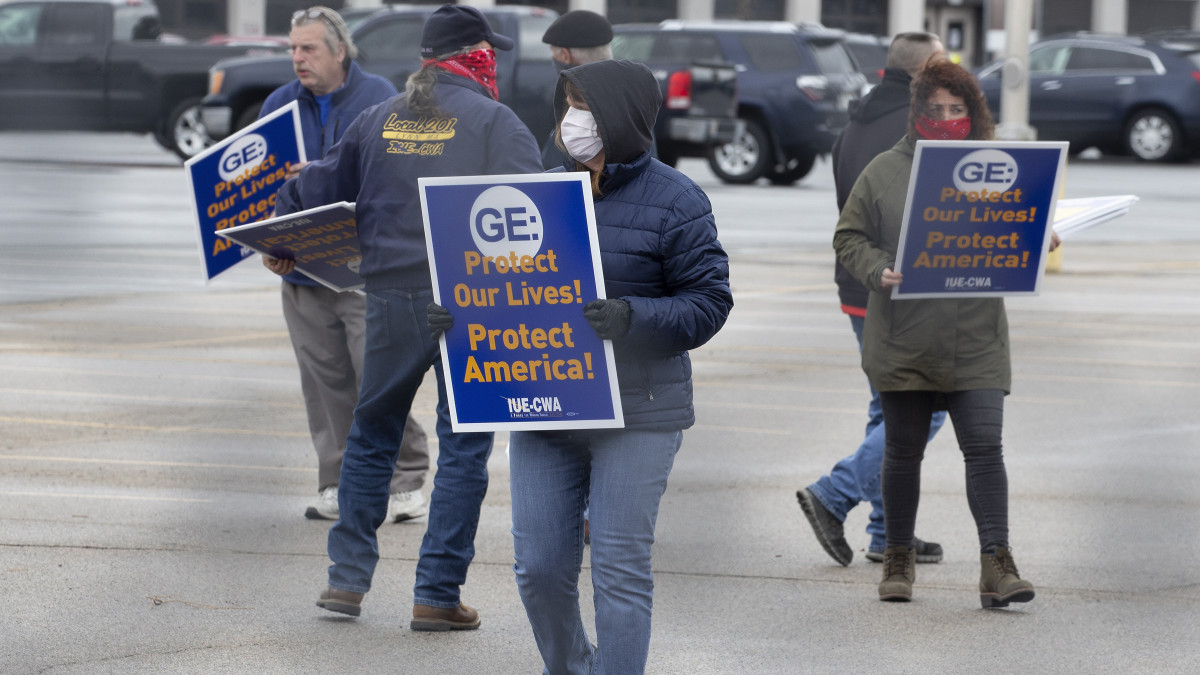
column 876, row 123
column 575, row 38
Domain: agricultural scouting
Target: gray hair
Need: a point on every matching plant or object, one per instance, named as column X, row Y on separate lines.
column 910, row 51
column 582, row 55
column 336, row 31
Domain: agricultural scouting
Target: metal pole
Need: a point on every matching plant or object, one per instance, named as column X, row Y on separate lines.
column 1014, row 90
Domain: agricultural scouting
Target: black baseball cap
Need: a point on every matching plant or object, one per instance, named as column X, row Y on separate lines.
column 452, row 27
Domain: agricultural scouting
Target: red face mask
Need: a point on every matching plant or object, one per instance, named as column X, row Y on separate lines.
column 479, row 65
column 943, row 130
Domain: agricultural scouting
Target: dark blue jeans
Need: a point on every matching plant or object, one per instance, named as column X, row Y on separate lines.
column 398, row 354
column 978, row 417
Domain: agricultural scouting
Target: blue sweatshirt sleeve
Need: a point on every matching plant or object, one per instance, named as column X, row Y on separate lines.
column 334, row 178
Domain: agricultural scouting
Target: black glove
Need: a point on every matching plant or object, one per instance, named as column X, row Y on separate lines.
column 438, row 319
column 609, row 318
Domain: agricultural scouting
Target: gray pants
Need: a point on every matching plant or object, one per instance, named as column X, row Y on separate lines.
column 328, row 331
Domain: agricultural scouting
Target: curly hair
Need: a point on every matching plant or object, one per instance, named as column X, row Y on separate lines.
column 944, row 74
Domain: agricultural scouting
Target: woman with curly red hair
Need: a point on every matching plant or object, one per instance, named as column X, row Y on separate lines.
column 932, row 354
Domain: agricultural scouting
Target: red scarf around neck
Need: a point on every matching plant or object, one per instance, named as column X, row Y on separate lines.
column 478, row 66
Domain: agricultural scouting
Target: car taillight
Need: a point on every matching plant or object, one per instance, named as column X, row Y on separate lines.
column 1196, row 75
column 815, row 87
column 679, row 90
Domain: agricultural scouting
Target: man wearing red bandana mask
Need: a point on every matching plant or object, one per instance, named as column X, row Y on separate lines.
column 447, row 123
column 478, row 65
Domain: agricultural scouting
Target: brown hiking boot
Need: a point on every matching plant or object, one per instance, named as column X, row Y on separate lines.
column 999, row 582
column 899, row 573
column 337, row 600
column 427, row 617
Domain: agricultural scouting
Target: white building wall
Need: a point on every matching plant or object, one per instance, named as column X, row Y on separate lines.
column 246, row 17
column 1110, row 16
column 598, row 6
column 905, row 16
column 800, row 11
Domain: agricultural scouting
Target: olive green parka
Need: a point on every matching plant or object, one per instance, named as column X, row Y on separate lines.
column 917, row 345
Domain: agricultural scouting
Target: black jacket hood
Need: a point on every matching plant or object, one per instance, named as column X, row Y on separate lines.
column 624, row 98
column 889, row 95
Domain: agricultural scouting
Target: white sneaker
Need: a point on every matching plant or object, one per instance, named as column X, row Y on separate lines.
column 406, row 506
column 325, row 506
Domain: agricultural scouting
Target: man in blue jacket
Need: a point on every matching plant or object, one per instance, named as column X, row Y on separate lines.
column 328, row 328
column 448, row 123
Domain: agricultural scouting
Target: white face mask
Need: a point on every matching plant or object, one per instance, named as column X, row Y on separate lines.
column 580, row 135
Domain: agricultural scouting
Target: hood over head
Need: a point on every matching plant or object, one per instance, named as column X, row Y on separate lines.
column 624, row 97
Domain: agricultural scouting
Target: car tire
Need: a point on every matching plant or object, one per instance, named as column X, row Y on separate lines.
column 184, row 131
column 795, row 169
column 1153, row 135
column 745, row 159
column 249, row 116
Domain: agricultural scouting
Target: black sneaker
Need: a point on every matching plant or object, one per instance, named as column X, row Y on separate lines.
column 827, row 528
column 927, row 552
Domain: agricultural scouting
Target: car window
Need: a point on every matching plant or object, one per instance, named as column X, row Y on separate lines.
column 1048, row 60
column 395, row 40
column 832, row 58
column 633, row 46
column 869, row 56
column 76, row 25
column 1093, row 58
column 532, row 28
column 136, row 22
column 772, row 52
column 353, row 16
column 18, row 25
column 685, row 47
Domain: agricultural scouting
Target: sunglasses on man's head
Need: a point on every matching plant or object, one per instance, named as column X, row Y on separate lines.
column 321, row 14
column 310, row 13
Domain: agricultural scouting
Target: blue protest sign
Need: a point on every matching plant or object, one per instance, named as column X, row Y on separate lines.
column 515, row 259
column 976, row 223
column 323, row 241
column 234, row 182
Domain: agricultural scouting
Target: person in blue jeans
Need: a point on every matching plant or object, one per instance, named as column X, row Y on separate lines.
column 667, row 281
column 876, row 123
column 448, row 123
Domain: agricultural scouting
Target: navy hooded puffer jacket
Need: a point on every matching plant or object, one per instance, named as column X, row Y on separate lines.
column 658, row 247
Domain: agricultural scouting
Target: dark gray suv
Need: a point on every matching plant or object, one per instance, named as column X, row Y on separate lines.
column 794, row 84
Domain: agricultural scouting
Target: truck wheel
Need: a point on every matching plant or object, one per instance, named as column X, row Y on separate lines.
column 794, row 170
column 249, row 116
column 1152, row 135
column 744, row 159
column 185, row 132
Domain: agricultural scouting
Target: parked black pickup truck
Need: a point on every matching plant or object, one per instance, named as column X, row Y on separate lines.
column 700, row 96
column 387, row 43
column 100, row 66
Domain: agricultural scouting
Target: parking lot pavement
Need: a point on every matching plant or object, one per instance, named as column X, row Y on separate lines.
column 154, row 468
